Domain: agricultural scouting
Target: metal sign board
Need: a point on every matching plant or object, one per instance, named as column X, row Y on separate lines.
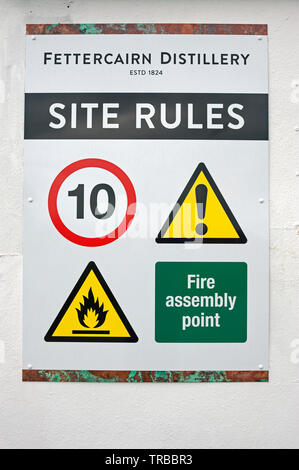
column 146, row 203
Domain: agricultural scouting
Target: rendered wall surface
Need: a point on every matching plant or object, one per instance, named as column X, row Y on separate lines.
column 153, row 415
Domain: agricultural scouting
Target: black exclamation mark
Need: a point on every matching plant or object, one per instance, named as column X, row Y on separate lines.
column 201, row 192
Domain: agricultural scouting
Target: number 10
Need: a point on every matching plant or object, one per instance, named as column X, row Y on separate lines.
column 79, row 194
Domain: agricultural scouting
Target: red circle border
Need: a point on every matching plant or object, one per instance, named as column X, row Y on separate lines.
column 96, row 163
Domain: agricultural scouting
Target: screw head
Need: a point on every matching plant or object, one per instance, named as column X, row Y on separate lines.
column 261, row 366
column 33, row 38
column 30, row 199
column 29, row 366
column 261, row 200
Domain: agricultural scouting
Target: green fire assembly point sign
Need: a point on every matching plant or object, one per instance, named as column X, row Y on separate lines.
column 201, row 302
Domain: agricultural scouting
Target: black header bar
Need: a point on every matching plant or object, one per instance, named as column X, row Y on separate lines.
column 197, row 116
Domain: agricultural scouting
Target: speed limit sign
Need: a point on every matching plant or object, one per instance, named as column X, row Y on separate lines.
column 83, row 200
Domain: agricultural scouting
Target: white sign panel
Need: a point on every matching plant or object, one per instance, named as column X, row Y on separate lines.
column 146, row 203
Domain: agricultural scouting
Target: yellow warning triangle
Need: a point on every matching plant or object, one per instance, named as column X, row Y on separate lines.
column 201, row 214
column 91, row 313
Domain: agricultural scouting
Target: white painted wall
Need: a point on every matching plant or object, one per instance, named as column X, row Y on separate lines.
column 43, row 415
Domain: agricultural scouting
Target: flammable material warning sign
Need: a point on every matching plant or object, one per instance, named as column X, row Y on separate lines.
column 146, row 201
column 84, row 317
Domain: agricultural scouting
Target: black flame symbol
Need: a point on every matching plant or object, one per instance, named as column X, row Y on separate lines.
column 91, row 305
